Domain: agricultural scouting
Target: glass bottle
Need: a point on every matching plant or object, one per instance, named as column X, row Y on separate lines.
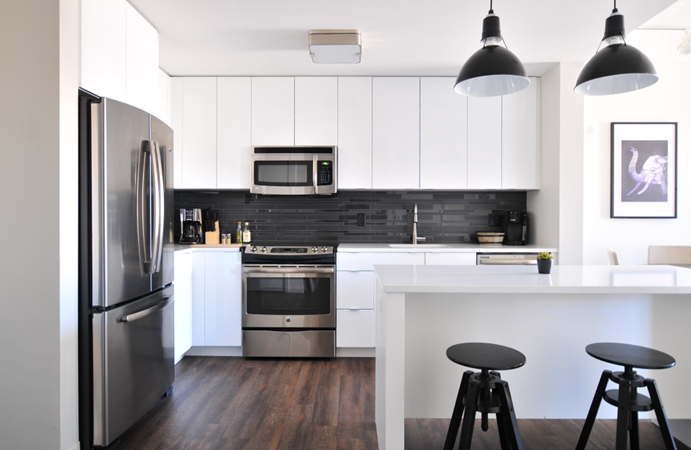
column 238, row 234
column 246, row 234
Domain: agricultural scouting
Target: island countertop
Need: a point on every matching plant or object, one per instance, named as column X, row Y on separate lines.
column 565, row 279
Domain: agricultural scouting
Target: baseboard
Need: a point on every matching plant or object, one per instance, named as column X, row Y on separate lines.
column 214, row 351
column 356, row 352
column 76, row 446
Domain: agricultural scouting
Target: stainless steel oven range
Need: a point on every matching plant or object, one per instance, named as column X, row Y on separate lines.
column 289, row 302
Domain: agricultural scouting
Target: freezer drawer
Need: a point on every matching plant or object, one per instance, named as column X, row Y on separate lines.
column 133, row 364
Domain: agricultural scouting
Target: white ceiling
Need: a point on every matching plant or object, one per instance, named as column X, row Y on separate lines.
column 400, row 37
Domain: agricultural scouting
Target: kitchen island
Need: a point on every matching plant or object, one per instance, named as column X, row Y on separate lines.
column 422, row 310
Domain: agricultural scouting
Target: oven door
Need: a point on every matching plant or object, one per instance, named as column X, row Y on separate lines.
column 288, row 296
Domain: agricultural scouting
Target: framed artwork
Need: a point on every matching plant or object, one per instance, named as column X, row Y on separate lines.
column 644, row 170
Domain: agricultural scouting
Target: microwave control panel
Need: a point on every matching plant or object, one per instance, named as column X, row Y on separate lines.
column 325, row 173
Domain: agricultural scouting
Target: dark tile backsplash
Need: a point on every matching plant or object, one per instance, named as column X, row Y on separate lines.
column 443, row 216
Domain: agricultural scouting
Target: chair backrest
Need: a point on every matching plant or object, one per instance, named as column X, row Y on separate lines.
column 669, row 254
column 613, row 258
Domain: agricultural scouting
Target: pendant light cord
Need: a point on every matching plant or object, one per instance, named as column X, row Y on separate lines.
column 615, row 10
column 491, row 10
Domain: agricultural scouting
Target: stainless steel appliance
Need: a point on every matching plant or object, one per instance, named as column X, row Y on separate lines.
column 191, row 226
column 293, row 170
column 125, row 266
column 289, row 302
column 514, row 224
column 506, row 259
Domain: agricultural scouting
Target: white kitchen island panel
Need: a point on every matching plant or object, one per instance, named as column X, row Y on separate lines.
column 422, row 310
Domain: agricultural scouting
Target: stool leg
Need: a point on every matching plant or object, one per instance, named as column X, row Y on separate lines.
column 660, row 414
column 469, row 414
column 623, row 412
column 457, row 412
column 509, row 415
column 633, row 432
column 501, row 426
column 592, row 413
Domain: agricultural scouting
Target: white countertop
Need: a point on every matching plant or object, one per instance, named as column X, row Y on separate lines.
column 526, row 280
column 444, row 248
column 208, row 248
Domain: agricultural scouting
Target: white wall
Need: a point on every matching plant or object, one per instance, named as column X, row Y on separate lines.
column 556, row 210
column 38, row 87
column 666, row 101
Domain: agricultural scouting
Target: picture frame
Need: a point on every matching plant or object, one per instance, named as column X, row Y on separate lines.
column 643, row 170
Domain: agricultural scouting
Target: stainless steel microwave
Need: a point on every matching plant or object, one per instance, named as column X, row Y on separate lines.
column 293, row 170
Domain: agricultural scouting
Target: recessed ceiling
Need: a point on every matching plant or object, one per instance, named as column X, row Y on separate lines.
column 399, row 37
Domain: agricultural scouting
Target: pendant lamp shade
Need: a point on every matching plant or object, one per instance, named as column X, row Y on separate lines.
column 493, row 70
column 618, row 67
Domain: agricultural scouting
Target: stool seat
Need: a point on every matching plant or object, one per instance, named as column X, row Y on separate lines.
column 630, row 355
column 484, row 356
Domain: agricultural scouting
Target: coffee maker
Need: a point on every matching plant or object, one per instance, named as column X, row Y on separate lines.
column 191, row 226
column 515, row 224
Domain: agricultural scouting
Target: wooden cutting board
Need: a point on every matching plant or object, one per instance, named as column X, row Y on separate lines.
column 213, row 237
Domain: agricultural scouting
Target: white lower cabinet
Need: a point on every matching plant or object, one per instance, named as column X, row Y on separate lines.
column 183, row 304
column 354, row 290
column 399, row 259
column 450, row 259
column 355, row 328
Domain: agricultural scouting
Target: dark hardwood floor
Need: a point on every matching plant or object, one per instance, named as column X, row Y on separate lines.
column 288, row 404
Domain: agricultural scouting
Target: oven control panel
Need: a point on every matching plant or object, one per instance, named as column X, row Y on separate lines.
column 288, row 251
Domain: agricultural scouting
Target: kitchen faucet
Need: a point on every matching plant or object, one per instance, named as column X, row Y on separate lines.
column 416, row 238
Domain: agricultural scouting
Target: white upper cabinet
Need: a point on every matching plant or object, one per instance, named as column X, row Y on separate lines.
column 443, row 135
column 199, row 137
column 163, row 97
column 316, row 110
column 234, row 132
column 142, row 62
column 396, row 133
column 484, row 143
column 176, row 125
column 520, row 141
column 355, row 133
column 273, row 111
column 104, row 48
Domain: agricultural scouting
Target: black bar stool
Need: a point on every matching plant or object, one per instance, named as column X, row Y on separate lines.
column 626, row 397
column 484, row 392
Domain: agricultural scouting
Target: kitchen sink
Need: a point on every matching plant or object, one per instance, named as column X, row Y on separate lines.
column 417, row 245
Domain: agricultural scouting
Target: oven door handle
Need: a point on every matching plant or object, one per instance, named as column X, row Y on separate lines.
column 288, row 270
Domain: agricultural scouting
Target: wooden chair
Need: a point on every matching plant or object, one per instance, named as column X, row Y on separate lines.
column 669, row 254
column 613, row 258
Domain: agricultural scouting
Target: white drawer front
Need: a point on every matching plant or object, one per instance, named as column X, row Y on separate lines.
column 450, row 259
column 354, row 261
column 355, row 329
column 354, row 290
column 399, row 259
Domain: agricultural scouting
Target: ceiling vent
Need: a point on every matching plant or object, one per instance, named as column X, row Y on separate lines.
column 335, row 46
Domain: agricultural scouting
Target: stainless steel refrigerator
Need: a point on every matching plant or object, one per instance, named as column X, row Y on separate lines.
column 125, row 268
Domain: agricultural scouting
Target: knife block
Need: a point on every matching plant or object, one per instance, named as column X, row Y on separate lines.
column 213, row 237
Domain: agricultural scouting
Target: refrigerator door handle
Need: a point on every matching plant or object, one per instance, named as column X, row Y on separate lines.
column 146, row 312
column 158, row 188
column 143, row 207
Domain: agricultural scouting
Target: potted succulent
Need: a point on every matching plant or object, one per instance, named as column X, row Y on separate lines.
column 544, row 262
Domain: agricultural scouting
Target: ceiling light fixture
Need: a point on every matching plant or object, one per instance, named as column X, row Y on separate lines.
column 617, row 67
column 493, row 70
column 335, row 46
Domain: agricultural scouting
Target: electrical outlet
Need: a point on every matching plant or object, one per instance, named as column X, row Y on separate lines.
column 361, row 219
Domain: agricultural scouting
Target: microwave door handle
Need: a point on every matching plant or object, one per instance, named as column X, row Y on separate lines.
column 143, row 207
column 315, row 167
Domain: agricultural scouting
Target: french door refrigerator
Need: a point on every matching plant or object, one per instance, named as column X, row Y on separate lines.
column 125, row 266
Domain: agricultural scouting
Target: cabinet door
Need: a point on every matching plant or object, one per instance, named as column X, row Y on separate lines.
column 222, row 304
column 142, row 62
column 520, row 142
column 354, row 290
column 397, row 259
column 395, row 133
column 199, row 137
column 273, row 111
column 484, row 143
column 450, row 259
column 316, row 111
column 104, row 48
column 234, row 132
column 183, row 304
column 355, row 329
column 443, row 135
column 354, row 261
column 176, row 125
column 163, row 97
column 198, row 267
column 355, row 133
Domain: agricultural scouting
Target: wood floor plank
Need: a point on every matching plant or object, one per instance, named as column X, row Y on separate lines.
column 327, row 399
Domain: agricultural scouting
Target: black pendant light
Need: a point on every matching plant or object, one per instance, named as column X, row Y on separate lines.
column 618, row 67
column 493, row 70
